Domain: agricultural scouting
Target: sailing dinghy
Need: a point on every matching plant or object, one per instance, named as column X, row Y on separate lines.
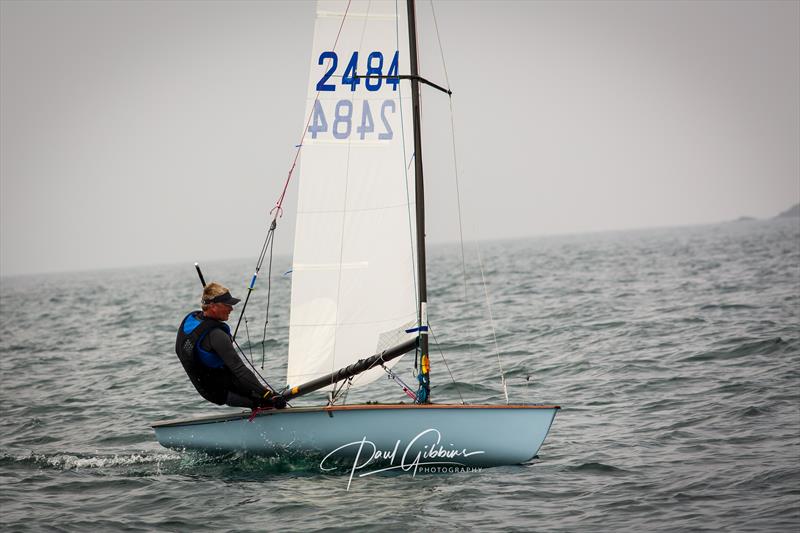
column 359, row 294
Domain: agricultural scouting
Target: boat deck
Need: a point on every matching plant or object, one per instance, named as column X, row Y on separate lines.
column 333, row 408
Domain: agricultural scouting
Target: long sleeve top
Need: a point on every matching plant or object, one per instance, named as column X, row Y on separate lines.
column 247, row 381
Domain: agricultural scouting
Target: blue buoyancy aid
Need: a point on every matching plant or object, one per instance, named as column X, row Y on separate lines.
column 191, row 323
column 206, row 369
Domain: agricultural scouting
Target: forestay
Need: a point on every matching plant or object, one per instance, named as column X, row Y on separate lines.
column 353, row 279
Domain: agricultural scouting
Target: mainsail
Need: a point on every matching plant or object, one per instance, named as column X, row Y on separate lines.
column 354, row 277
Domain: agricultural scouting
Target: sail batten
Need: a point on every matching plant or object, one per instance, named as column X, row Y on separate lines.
column 353, row 279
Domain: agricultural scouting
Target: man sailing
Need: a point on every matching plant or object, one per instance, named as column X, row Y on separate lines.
column 217, row 370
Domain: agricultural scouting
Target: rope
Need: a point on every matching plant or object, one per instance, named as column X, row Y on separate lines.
column 455, row 157
column 441, row 49
column 405, row 175
column 346, row 391
column 458, row 188
column 436, row 342
column 336, row 392
column 379, row 361
column 278, row 209
column 491, row 324
column 460, row 223
column 249, row 343
column 269, row 295
column 252, row 367
column 396, row 379
column 252, row 285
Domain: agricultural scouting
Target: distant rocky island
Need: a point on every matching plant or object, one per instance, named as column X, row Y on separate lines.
column 793, row 211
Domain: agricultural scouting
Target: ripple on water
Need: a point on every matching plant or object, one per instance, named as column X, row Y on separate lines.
column 675, row 354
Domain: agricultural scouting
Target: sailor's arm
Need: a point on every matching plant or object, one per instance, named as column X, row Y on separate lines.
column 221, row 345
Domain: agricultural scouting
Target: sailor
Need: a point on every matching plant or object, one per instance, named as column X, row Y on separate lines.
column 219, row 373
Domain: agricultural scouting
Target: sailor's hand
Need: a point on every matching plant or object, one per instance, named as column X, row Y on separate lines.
column 278, row 402
column 272, row 400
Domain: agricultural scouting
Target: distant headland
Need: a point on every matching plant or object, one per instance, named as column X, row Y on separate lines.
column 793, row 211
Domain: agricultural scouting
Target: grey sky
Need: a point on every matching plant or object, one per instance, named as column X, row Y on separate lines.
column 153, row 132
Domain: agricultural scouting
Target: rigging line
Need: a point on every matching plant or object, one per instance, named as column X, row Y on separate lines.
column 333, row 395
column 252, row 285
column 394, row 377
column 252, row 367
column 458, row 204
column 458, row 186
column 249, row 342
column 436, row 342
column 344, row 386
column 455, row 158
column 458, row 199
column 414, row 258
column 269, row 295
column 405, row 173
column 346, row 391
column 378, row 361
column 491, row 323
column 381, row 362
column 267, row 241
column 278, row 209
column 458, row 189
column 441, row 49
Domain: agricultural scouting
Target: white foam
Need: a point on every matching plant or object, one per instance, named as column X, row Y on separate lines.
column 72, row 462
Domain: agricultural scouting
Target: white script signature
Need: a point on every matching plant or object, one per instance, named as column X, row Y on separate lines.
column 432, row 453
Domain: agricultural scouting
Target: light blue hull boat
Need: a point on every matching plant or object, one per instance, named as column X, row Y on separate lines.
column 392, row 436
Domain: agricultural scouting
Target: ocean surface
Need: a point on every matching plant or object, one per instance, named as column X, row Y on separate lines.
column 674, row 353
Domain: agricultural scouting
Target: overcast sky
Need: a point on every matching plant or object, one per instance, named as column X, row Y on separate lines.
column 156, row 132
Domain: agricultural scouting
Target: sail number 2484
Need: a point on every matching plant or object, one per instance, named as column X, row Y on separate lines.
column 373, row 78
column 373, row 116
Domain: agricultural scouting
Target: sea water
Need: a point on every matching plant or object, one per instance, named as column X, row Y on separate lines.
column 675, row 354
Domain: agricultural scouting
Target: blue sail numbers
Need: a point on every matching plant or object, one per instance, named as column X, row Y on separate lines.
column 348, row 118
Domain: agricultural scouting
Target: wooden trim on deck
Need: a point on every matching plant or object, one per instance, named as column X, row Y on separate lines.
column 326, row 409
column 358, row 407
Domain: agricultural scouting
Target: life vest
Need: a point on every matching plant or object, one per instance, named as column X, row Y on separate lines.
column 205, row 369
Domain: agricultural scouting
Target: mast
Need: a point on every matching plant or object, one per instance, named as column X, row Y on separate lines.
column 424, row 370
column 420, row 340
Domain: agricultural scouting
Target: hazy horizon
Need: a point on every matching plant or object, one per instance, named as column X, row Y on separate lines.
column 151, row 133
column 432, row 245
